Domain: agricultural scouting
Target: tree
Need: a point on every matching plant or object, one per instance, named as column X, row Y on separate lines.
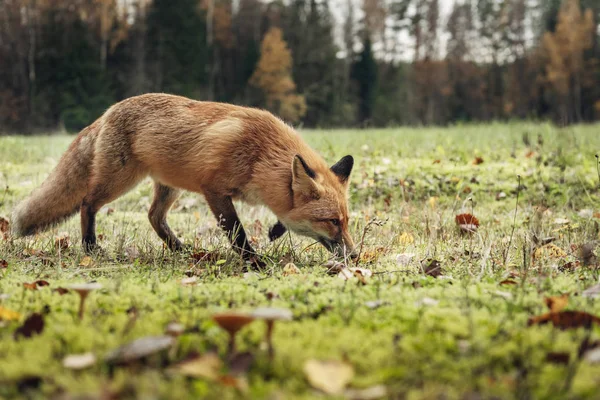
column 566, row 66
column 364, row 73
column 274, row 78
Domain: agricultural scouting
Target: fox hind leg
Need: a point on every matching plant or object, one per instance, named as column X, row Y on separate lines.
column 106, row 184
column 164, row 197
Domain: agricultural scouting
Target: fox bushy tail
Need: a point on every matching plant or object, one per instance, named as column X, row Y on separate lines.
column 61, row 194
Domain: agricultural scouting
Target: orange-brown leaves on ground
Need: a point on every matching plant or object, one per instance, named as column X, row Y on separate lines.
column 548, row 252
column 372, row 254
column 61, row 291
column 477, row 161
column 566, row 319
column 329, row 376
column 557, row 303
column 33, row 325
column 35, row 285
column 467, row 223
column 62, row 242
column 508, row 282
column 4, row 228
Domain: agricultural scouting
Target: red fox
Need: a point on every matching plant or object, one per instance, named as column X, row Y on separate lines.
column 222, row 151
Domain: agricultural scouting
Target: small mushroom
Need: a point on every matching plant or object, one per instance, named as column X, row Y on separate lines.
column 174, row 329
column 232, row 322
column 139, row 349
column 270, row 315
column 84, row 289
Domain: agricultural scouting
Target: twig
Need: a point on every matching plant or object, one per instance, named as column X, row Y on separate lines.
column 373, row 221
column 514, row 221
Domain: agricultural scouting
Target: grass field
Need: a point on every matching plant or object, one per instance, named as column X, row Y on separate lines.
column 459, row 333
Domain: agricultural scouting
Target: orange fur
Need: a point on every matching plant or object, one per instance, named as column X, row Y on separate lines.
column 220, row 150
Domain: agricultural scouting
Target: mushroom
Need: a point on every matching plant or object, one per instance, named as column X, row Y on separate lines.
column 84, row 289
column 270, row 315
column 174, row 329
column 232, row 322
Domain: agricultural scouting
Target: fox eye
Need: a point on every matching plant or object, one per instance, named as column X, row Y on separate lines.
column 335, row 222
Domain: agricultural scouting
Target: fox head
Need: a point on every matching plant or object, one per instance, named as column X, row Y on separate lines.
column 320, row 208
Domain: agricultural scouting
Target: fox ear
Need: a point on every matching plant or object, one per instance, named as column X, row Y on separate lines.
column 303, row 176
column 343, row 168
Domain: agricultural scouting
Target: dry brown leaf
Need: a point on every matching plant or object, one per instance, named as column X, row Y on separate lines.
column 206, row 366
column 508, row 282
column 4, row 228
column 290, row 269
column 61, row 290
column 33, row 325
column 8, row 315
column 548, row 251
column 566, row 319
column 86, row 261
column 62, row 242
column 558, row 357
column 3, row 264
column 238, row 382
column 557, row 303
column 467, row 223
column 30, row 286
column 432, row 268
column 330, row 376
column 371, row 255
column 477, row 161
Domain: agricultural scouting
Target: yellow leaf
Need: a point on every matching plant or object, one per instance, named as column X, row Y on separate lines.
column 86, row 261
column 549, row 251
column 290, row 269
column 8, row 315
column 330, row 376
column 205, row 366
column 432, row 202
column 405, row 238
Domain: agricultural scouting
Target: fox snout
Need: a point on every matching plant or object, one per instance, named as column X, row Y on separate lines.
column 342, row 246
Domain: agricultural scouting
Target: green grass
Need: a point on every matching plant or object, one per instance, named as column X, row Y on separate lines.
column 460, row 335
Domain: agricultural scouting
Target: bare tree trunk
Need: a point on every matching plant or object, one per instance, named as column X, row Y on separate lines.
column 31, row 11
column 209, row 43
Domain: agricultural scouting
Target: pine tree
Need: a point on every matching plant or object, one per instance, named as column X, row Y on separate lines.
column 364, row 73
column 273, row 77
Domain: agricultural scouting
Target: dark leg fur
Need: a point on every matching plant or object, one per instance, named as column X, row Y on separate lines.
column 223, row 209
column 164, row 197
column 277, row 231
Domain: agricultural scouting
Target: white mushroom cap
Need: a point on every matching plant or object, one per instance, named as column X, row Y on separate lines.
column 272, row 314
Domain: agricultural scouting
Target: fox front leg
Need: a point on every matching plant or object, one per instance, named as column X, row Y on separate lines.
column 277, row 231
column 223, row 209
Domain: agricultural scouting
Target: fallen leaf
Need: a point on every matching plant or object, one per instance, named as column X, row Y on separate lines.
column 240, row 363
column 42, row 283
column 405, row 238
column 361, row 273
column 376, row 304
column 371, row 255
column 508, row 282
column 404, row 259
column 330, row 376
column 557, row 303
column 370, row 393
column 206, row 366
column 79, row 361
column 570, row 266
column 86, row 261
column 132, row 253
column 62, row 242
column 467, row 223
column 189, row 281
column 8, row 315
column 432, row 268
column 3, row 264
column 334, row 267
column 592, row 292
column 587, row 254
column 206, row 256
column 558, row 357
column 61, row 290
column 566, row 319
column 477, row 161
column 30, row 286
column 290, row 269
column 4, row 228
column 33, row 325
column 530, row 154
column 139, row 349
column 437, row 161
column 561, row 221
column 238, row 382
column 548, row 251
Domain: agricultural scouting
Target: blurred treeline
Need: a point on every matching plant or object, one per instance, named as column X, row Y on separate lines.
column 318, row 63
